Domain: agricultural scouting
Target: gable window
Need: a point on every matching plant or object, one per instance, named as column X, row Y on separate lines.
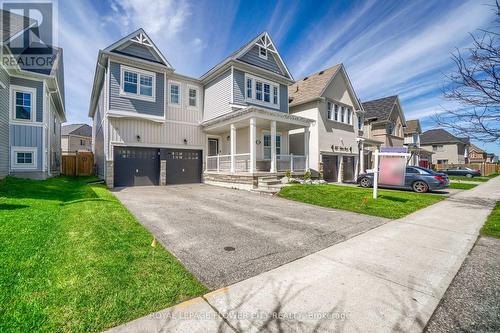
column 342, row 114
column 193, row 97
column 262, row 52
column 329, row 109
column 349, row 116
column 137, row 83
column 336, row 112
column 249, row 88
column 258, row 91
column 267, row 145
column 267, row 93
column 275, row 95
column 175, row 91
column 390, row 128
column 23, row 158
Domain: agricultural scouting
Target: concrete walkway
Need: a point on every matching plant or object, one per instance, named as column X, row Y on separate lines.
column 390, row 278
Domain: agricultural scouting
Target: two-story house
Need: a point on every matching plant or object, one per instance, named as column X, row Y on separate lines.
column 384, row 124
column 446, row 148
column 76, row 137
column 328, row 98
column 419, row 156
column 155, row 126
column 31, row 103
column 477, row 155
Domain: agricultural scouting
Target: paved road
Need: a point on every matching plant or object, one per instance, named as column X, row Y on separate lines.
column 472, row 301
column 390, row 278
column 200, row 223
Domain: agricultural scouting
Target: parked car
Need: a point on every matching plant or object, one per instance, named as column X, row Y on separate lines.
column 418, row 179
column 462, row 171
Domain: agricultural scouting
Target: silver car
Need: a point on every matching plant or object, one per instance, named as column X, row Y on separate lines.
column 418, row 179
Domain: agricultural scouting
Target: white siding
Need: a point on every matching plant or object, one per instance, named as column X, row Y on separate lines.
column 218, row 96
column 184, row 112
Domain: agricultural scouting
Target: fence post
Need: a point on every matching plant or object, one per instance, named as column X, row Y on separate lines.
column 76, row 163
column 218, row 163
column 291, row 162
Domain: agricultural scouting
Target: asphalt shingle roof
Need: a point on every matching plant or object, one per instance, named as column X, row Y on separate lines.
column 439, row 136
column 412, row 126
column 311, row 86
column 77, row 129
column 379, row 108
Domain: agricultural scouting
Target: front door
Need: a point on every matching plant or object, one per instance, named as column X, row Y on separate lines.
column 348, row 169
column 330, row 168
column 213, row 147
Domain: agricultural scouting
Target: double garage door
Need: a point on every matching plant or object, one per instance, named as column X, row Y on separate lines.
column 135, row 166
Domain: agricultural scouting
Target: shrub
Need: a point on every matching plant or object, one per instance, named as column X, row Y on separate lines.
column 288, row 174
column 307, row 175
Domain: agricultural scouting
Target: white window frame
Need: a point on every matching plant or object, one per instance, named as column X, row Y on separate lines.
column 138, row 72
column 254, row 100
column 264, row 133
column 12, row 104
column 178, row 84
column 360, row 123
column 34, row 158
column 189, row 88
column 263, row 56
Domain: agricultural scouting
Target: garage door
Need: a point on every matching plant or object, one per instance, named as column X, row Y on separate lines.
column 183, row 166
column 136, row 166
column 330, row 169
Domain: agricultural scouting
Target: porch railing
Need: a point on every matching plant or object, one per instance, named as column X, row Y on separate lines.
column 290, row 163
column 223, row 163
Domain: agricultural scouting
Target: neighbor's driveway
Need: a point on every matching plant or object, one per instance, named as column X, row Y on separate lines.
column 196, row 222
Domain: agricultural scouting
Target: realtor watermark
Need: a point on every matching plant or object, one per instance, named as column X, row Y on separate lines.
column 29, row 37
column 257, row 315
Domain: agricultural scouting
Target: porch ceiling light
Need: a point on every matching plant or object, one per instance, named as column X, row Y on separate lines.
column 257, row 142
column 228, row 137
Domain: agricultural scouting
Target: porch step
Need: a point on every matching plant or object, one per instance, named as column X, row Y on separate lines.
column 269, row 184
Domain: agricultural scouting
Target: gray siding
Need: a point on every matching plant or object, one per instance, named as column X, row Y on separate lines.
column 139, row 51
column 99, row 158
column 4, row 124
column 38, row 85
column 252, row 57
column 28, row 136
column 239, row 92
column 54, row 160
column 122, row 103
column 218, row 96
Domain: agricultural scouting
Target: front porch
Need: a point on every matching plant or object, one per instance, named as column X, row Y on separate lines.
column 253, row 143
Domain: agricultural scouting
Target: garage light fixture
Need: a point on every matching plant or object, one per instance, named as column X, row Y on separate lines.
column 185, row 141
column 138, row 137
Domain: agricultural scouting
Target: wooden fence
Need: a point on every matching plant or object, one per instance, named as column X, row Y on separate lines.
column 485, row 168
column 78, row 164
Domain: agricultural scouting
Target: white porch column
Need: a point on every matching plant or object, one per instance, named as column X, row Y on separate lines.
column 253, row 148
column 306, row 146
column 233, row 148
column 362, row 157
column 273, row 146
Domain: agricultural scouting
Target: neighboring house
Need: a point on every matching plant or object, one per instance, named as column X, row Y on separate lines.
column 155, row 126
column 31, row 105
column 446, row 148
column 477, row 155
column 76, row 137
column 491, row 158
column 412, row 133
column 328, row 98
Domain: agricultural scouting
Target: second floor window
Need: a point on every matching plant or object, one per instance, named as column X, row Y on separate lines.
column 349, row 116
column 138, row 83
column 360, row 123
column 329, row 109
column 275, row 95
column 193, row 98
column 342, row 114
column 174, row 93
column 336, row 116
column 23, row 109
column 267, row 93
column 249, row 88
column 390, row 128
column 82, row 142
column 258, row 91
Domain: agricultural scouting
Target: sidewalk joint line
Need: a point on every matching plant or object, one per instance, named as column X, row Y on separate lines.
column 219, row 314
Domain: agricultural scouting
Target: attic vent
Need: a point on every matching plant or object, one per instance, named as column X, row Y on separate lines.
column 321, row 72
column 305, row 79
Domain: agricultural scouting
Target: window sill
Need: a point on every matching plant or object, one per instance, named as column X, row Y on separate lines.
column 339, row 122
column 139, row 97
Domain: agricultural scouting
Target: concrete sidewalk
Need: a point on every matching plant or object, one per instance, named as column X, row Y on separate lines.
column 389, row 278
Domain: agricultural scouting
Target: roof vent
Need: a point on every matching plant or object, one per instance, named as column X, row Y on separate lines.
column 305, row 79
column 321, row 72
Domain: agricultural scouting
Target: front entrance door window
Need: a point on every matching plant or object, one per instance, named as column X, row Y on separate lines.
column 213, row 147
column 267, row 146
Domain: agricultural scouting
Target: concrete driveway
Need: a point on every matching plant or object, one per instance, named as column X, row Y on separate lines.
column 223, row 235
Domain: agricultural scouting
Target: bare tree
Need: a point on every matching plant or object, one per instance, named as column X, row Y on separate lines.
column 475, row 85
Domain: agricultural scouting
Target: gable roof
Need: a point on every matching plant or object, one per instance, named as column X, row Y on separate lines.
column 439, row 135
column 412, row 126
column 312, row 86
column 77, row 129
column 476, row 148
column 263, row 39
column 381, row 108
column 140, row 37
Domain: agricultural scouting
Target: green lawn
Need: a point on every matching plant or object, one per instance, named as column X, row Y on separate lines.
column 462, row 186
column 493, row 175
column 473, row 179
column 73, row 259
column 390, row 203
column 492, row 225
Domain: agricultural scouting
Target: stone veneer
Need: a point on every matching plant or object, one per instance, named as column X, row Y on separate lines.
column 163, row 172
column 247, row 181
column 109, row 174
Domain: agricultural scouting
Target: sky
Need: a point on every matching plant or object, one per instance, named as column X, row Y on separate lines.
column 388, row 47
